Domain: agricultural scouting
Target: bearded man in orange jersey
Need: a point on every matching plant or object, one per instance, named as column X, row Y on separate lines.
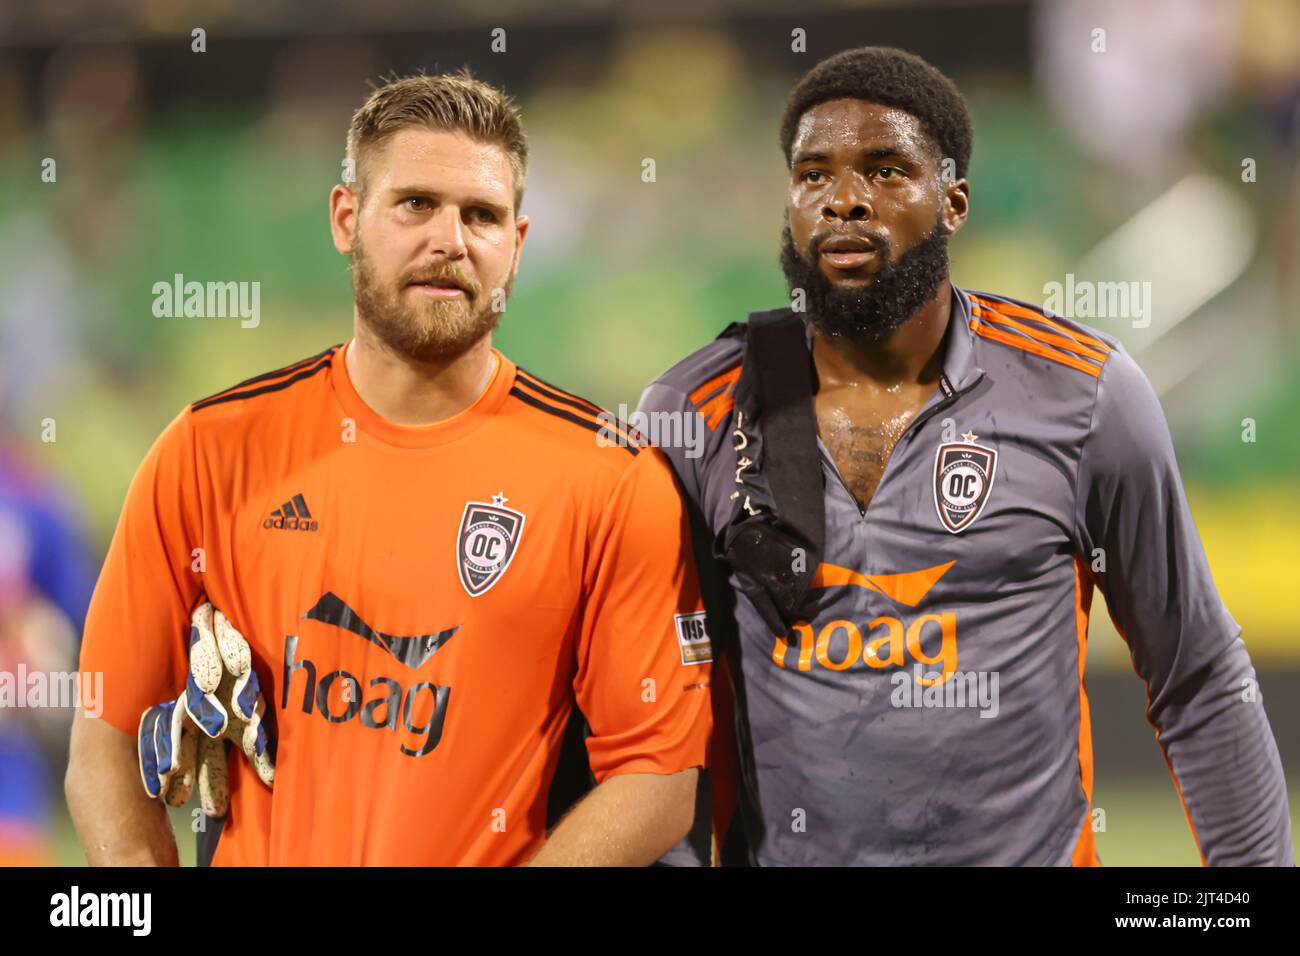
column 430, row 553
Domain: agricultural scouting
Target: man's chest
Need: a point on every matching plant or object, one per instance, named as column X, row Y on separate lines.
column 410, row 564
column 984, row 493
column 860, row 427
column 965, row 557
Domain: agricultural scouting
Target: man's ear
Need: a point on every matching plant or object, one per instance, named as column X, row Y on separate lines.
column 345, row 206
column 521, row 230
column 956, row 205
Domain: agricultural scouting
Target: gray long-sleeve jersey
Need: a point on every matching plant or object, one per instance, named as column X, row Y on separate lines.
column 929, row 706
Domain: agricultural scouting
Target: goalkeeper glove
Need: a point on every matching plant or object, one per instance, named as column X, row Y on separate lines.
column 182, row 741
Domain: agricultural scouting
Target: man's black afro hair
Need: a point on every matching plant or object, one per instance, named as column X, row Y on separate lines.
column 891, row 77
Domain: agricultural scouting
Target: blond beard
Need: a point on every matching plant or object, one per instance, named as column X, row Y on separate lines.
column 430, row 331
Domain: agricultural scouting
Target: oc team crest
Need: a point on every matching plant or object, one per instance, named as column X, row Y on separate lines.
column 963, row 477
column 486, row 544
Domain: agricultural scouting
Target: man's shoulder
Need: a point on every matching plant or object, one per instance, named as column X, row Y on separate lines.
column 720, row 357
column 264, row 411
column 1069, row 366
column 704, row 381
column 268, row 396
column 1064, row 345
column 579, row 434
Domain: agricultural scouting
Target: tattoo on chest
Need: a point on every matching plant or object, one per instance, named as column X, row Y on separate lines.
column 861, row 450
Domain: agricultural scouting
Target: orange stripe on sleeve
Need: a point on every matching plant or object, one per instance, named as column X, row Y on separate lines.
column 716, row 408
column 993, row 315
column 1085, row 849
column 1029, row 345
column 1173, row 776
column 727, row 378
column 1019, row 311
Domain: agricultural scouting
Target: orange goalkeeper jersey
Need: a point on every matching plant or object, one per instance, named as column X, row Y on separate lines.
column 424, row 606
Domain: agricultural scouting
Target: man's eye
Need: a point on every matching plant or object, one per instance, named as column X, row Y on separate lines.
column 887, row 172
column 417, row 203
column 807, row 176
column 483, row 215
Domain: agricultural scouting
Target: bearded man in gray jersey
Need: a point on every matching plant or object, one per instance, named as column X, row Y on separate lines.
column 906, row 495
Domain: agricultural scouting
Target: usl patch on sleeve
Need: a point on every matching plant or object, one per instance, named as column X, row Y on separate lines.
column 693, row 638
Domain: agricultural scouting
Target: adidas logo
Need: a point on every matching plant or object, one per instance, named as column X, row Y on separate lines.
column 293, row 515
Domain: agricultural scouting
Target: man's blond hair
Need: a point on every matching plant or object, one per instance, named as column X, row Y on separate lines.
column 453, row 102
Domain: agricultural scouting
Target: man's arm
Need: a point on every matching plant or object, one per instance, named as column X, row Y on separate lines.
column 643, row 676
column 116, row 821
column 631, row 819
column 705, row 437
column 135, row 638
column 1202, row 693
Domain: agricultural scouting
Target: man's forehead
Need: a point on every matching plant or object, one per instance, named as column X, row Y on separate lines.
column 431, row 156
column 846, row 123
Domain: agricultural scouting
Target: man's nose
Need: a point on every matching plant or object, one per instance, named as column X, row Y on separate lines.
column 447, row 233
column 848, row 200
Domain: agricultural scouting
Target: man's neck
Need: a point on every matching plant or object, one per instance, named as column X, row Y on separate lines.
column 408, row 392
column 908, row 356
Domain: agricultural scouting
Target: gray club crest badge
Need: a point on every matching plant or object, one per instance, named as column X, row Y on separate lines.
column 963, row 477
column 487, row 542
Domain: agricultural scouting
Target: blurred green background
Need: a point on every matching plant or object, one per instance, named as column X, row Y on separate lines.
column 218, row 164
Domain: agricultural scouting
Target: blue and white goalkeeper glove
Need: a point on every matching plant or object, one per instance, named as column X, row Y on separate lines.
column 183, row 741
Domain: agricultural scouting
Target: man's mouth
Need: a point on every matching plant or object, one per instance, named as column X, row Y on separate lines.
column 440, row 288
column 847, row 252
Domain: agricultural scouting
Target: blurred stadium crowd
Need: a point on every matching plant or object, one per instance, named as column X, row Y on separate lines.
column 1167, row 156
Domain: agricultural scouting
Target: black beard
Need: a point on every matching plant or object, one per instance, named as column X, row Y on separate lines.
column 868, row 313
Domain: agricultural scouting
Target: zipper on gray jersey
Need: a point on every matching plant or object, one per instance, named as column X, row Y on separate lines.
column 950, row 396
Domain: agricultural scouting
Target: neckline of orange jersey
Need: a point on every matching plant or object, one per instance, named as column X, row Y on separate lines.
column 421, row 436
